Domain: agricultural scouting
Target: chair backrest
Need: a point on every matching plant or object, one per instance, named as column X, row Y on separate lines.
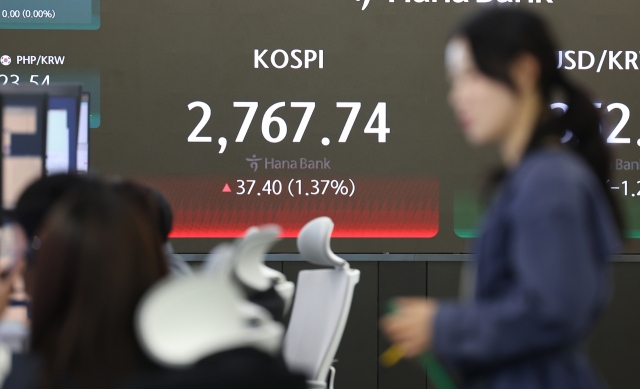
column 249, row 257
column 184, row 319
column 321, row 306
column 244, row 262
column 177, row 265
column 219, row 261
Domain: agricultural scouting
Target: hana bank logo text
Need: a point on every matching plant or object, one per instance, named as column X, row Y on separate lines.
column 289, row 164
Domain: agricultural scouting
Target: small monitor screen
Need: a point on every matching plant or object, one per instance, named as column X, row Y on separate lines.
column 83, row 136
column 62, row 133
column 22, row 151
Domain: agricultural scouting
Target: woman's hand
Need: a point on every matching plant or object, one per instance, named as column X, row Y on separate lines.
column 411, row 327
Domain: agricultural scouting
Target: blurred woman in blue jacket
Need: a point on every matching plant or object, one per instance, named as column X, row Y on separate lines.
column 542, row 258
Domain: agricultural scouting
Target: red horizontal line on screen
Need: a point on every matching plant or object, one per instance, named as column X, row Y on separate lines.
column 381, row 207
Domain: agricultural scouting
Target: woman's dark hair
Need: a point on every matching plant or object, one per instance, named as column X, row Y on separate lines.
column 152, row 203
column 164, row 211
column 498, row 37
column 39, row 198
column 98, row 256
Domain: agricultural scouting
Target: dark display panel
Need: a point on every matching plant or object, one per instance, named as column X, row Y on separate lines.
column 246, row 112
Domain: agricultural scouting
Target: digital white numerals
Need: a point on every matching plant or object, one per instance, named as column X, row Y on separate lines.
column 275, row 129
column 381, row 114
column 206, row 115
column 614, row 137
column 626, row 115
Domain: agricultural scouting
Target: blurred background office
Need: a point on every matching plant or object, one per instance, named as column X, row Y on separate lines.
column 216, row 131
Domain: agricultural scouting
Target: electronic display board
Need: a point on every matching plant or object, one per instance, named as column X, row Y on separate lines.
column 278, row 111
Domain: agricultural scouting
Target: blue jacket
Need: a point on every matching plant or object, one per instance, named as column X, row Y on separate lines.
column 542, row 280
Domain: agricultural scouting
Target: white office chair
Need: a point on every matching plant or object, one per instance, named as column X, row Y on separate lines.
column 177, row 265
column 182, row 320
column 219, row 259
column 285, row 289
column 245, row 260
column 321, row 307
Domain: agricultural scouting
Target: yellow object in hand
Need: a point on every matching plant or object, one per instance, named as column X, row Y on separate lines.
column 392, row 356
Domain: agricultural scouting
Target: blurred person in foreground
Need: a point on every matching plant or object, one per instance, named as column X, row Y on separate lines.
column 98, row 255
column 39, row 198
column 236, row 367
column 158, row 209
column 14, row 322
column 542, row 258
column 17, row 239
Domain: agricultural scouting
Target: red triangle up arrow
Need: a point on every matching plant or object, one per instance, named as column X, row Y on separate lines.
column 226, row 189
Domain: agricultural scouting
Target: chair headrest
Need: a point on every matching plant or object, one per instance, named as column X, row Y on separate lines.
column 244, row 259
column 314, row 243
column 184, row 319
column 249, row 257
column 220, row 260
column 242, row 264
